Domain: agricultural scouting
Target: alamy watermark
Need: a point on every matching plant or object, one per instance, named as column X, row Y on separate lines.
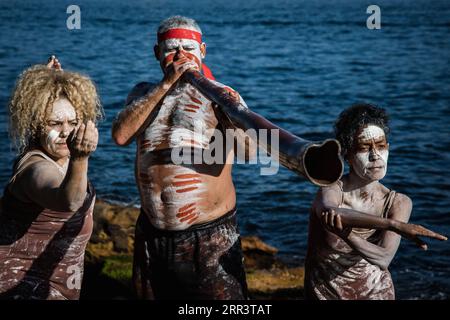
column 74, row 20
column 374, row 20
column 251, row 146
column 74, row 280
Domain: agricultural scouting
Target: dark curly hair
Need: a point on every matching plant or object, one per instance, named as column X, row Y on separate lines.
column 354, row 118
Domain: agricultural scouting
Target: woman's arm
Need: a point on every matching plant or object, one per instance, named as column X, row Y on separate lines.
column 328, row 212
column 383, row 253
column 43, row 184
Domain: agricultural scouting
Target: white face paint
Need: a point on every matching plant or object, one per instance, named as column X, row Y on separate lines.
column 371, row 132
column 370, row 161
column 59, row 124
column 191, row 49
column 51, row 138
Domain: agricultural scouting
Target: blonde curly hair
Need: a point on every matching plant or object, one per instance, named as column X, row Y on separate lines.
column 37, row 88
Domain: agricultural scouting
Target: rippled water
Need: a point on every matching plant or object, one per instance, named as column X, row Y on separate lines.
column 297, row 63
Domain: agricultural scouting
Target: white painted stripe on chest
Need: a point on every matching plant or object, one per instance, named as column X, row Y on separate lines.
column 183, row 113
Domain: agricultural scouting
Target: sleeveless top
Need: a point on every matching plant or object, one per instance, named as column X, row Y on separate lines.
column 338, row 271
column 42, row 250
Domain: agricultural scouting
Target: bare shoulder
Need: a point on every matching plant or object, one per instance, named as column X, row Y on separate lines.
column 40, row 172
column 402, row 201
column 329, row 196
column 401, row 207
column 234, row 93
column 138, row 91
column 38, row 175
column 332, row 190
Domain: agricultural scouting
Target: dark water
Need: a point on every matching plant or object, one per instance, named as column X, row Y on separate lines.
column 297, row 63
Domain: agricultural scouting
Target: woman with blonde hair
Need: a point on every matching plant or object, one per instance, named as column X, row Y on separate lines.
column 46, row 211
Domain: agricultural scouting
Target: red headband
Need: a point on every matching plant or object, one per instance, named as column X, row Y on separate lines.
column 180, row 34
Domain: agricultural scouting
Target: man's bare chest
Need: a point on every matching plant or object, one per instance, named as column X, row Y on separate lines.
column 185, row 118
column 187, row 109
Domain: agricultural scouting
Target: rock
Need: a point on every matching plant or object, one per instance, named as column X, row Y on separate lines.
column 119, row 237
column 257, row 254
column 277, row 283
column 113, row 231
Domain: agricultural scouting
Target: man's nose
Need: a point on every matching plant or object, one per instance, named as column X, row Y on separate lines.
column 179, row 52
column 180, row 48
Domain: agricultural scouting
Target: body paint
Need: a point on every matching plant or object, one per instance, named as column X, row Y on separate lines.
column 183, row 120
column 365, row 159
column 63, row 110
column 51, row 138
column 179, row 200
column 190, row 49
column 59, row 124
column 190, row 185
column 187, row 38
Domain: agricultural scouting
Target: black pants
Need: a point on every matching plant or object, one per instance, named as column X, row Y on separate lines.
column 202, row 262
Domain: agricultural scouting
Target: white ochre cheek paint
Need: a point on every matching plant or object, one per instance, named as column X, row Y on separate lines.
column 362, row 163
column 363, row 160
column 51, row 138
column 384, row 154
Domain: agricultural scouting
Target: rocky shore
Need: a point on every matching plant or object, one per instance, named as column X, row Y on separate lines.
column 109, row 257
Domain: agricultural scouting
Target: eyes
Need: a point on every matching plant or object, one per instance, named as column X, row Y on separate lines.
column 56, row 124
column 185, row 48
column 366, row 146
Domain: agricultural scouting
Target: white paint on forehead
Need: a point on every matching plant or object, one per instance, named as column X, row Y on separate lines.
column 63, row 110
column 371, row 132
column 176, row 42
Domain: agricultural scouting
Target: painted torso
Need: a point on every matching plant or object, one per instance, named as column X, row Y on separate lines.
column 174, row 196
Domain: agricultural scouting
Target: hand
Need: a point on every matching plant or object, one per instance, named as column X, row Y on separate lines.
column 179, row 65
column 332, row 222
column 414, row 231
column 83, row 140
column 53, row 63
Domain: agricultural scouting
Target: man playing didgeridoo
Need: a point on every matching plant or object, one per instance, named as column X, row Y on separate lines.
column 187, row 242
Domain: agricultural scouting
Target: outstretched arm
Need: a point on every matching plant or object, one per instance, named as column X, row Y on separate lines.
column 383, row 253
column 42, row 185
column 344, row 219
